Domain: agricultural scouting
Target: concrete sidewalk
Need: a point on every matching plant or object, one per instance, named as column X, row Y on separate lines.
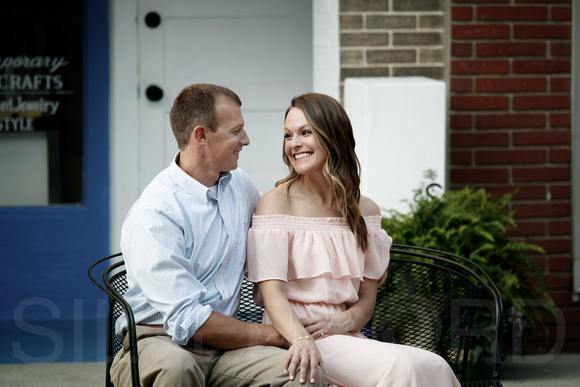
column 53, row 375
column 542, row 371
column 528, row 371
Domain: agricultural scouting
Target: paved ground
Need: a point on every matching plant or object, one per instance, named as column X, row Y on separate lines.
column 53, row 375
column 530, row 371
column 541, row 371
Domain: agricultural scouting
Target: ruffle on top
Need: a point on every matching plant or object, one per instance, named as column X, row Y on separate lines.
column 318, row 257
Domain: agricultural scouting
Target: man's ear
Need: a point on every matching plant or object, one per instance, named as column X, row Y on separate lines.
column 199, row 134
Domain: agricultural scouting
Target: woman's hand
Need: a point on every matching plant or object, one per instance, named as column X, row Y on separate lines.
column 304, row 353
column 328, row 324
column 351, row 320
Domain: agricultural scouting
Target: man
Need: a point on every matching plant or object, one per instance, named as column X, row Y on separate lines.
column 184, row 244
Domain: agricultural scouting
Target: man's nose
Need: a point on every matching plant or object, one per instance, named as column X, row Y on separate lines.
column 245, row 139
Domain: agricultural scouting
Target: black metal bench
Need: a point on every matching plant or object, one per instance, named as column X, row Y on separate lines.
column 433, row 300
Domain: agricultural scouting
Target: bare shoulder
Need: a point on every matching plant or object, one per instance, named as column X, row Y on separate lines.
column 274, row 202
column 368, row 207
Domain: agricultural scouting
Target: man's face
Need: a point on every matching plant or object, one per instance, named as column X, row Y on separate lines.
column 229, row 138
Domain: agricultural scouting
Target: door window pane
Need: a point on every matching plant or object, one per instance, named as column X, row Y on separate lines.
column 41, row 117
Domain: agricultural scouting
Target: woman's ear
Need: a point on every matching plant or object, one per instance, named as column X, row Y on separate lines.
column 199, row 134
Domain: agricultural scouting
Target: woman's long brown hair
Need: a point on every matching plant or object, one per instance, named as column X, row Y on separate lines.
column 333, row 130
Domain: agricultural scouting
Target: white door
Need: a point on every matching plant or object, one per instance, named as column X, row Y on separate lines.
column 261, row 49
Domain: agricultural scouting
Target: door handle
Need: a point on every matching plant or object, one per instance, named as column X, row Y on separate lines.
column 154, row 93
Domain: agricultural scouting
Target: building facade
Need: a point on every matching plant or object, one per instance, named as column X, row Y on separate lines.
column 508, row 65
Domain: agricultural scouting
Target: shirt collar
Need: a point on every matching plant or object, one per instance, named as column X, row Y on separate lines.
column 193, row 186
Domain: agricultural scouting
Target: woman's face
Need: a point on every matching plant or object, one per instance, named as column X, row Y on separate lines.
column 301, row 145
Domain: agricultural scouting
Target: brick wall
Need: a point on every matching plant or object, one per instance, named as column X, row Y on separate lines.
column 509, row 124
column 391, row 38
column 508, row 67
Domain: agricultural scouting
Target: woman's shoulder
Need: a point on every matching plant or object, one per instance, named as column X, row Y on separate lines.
column 275, row 201
column 368, row 207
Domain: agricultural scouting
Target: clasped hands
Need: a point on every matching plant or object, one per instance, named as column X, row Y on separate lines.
column 303, row 351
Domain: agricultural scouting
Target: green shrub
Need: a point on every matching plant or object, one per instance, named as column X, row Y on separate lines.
column 473, row 223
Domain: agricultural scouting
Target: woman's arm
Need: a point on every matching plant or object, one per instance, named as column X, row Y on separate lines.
column 303, row 350
column 351, row 320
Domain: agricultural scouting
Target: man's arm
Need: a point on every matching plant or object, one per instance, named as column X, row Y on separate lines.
column 221, row 331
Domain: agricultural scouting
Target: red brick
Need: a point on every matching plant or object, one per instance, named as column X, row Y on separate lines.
column 472, row 175
column 572, row 332
column 510, row 84
column 510, row 49
column 462, row 13
column 542, row 102
column 558, row 281
column 479, row 139
column 529, row 31
column 524, row 192
column 560, row 120
column 561, row 13
column 559, row 227
column 560, row 191
column 560, row 263
column 560, row 84
column 510, row 156
column 460, row 157
column 479, row 103
column 562, row 299
column 510, row 121
column 528, row 228
column 541, row 210
column 511, row 13
column 541, row 174
column 559, row 155
column 461, row 84
column 527, row 192
column 550, row 66
column 571, row 316
column 561, row 49
column 460, row 121
column 480, row 31
column 479, row 67
column 461, row 49
column 541, row 138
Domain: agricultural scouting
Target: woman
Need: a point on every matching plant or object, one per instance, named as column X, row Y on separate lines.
column 317, row 250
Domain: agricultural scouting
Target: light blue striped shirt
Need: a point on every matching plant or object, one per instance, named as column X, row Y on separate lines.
column 185, row 249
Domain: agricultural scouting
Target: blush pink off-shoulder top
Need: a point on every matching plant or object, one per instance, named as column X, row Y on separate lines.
column 318, row 257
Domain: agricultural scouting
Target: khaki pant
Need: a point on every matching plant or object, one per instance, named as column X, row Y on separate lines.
column 164, row 363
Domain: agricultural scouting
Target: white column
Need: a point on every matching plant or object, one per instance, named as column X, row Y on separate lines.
column 326, row 46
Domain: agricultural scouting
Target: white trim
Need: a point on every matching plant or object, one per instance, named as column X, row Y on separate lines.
column 124, row 128
column 326, row 49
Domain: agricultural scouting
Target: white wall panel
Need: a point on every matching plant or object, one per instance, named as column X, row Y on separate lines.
column 399, row 128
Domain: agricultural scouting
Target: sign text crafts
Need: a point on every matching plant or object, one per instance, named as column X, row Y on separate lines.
column 28, row 95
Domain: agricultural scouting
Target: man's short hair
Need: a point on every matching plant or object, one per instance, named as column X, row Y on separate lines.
column 194, row 106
